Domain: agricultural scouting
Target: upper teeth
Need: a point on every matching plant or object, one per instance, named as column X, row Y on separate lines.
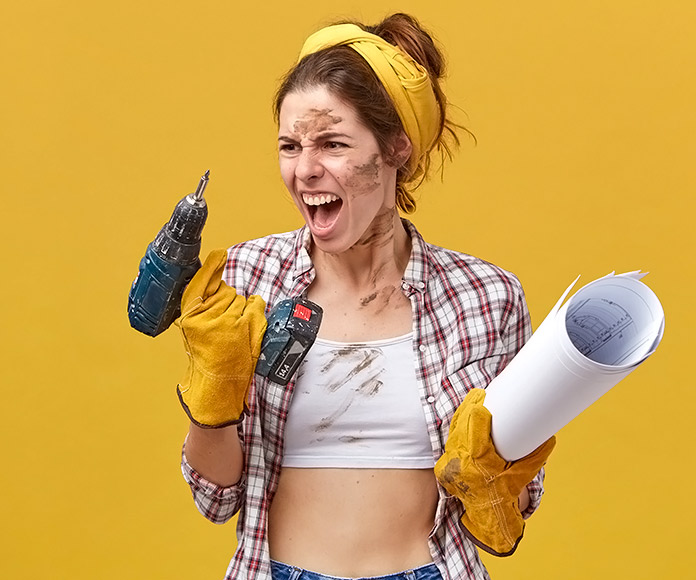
column 318, row 199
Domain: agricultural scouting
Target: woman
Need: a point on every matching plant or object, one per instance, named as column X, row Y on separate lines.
column 333, row 474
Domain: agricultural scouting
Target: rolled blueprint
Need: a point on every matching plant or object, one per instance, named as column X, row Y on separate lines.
column 581, row 350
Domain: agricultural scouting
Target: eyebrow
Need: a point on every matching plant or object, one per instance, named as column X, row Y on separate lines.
column 323, row 135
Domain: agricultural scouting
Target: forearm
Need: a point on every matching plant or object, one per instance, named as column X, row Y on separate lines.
column 523, row 500
column 216, row 454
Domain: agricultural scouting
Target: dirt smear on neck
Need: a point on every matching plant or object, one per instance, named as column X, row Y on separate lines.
column 381, row 231
column 380, row 300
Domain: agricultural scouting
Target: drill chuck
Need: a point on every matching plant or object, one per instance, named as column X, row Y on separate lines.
column 179, row 240
column 169, row 263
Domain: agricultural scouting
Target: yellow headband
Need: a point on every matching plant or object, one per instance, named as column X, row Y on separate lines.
column 406, row 81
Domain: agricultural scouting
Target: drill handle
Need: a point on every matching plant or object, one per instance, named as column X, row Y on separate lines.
column 154, row 301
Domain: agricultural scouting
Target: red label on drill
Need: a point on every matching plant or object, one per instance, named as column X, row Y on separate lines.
column 302, row 312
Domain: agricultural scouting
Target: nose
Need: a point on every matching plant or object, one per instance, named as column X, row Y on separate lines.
column 308, row 165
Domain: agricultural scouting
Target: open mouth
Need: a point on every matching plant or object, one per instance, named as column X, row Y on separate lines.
column 323, row 209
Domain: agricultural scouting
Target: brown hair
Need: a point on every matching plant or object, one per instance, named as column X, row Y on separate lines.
column 348, row 76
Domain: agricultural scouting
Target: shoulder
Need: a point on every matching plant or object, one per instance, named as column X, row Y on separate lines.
column 467, row 270
column 262, row 264
column 481, row 296
column 457, row 272
column 272, row 245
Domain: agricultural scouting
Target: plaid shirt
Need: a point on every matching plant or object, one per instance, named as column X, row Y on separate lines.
column 470, row 319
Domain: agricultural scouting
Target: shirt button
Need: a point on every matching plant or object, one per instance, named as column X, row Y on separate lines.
column 421, row 348
column 421, row 285
column 431, row 399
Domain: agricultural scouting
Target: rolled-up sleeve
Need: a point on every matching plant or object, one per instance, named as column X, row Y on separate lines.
column 536, row 490
column 216, row 503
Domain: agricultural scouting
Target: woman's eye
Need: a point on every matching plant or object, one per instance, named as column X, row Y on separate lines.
column 335, row 145
column 287, row 147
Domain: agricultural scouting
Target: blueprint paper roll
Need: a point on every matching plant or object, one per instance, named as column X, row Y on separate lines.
column 580, row 351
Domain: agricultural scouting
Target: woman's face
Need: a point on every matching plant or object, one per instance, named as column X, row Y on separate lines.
column 334, row 170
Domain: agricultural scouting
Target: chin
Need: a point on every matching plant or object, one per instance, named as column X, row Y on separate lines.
column 334, row 245
column 329, row 246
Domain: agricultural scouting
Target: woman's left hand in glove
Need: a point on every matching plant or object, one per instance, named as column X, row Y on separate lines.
column 487, row 485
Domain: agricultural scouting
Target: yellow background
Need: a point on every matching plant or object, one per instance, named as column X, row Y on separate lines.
column 584, row 114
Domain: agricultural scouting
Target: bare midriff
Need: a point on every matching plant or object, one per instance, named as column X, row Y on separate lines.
column 353, row 522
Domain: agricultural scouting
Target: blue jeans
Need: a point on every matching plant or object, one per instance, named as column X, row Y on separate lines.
column 280, row 571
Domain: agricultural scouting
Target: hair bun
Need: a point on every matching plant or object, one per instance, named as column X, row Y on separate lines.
column 404, row 31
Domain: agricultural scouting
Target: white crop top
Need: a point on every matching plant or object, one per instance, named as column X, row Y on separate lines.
column 358, row 405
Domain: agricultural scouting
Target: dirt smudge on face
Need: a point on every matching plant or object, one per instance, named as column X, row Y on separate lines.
column 316, row 121
column 364, row 178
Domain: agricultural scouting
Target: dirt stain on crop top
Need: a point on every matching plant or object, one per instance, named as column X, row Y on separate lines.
column 356, row 356
column 350, row 439
column 365, row 366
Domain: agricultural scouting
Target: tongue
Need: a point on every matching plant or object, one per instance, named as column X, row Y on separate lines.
column 326, row 214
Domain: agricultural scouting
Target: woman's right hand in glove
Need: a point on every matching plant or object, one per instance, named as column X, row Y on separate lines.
column 222, row 334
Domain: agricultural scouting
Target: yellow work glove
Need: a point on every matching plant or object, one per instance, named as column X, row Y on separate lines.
column 487, row 485
column 222, row 333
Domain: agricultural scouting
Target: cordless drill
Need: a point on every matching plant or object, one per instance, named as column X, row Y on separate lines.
column 171, row 260
column 169, row 263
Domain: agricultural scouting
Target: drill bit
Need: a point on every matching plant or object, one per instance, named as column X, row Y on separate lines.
column 198, row 194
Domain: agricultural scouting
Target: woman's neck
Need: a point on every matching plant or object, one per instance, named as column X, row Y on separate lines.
column 380, row 256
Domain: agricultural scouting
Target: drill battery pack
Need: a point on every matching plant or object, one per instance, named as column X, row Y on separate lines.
column 292, row 327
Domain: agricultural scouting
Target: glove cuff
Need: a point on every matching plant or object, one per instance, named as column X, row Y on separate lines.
column 216, row 425
column 212, row 401
column 496, row 529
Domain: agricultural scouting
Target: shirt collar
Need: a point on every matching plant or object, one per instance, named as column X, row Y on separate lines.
column 303, row 263
column 417, row 270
